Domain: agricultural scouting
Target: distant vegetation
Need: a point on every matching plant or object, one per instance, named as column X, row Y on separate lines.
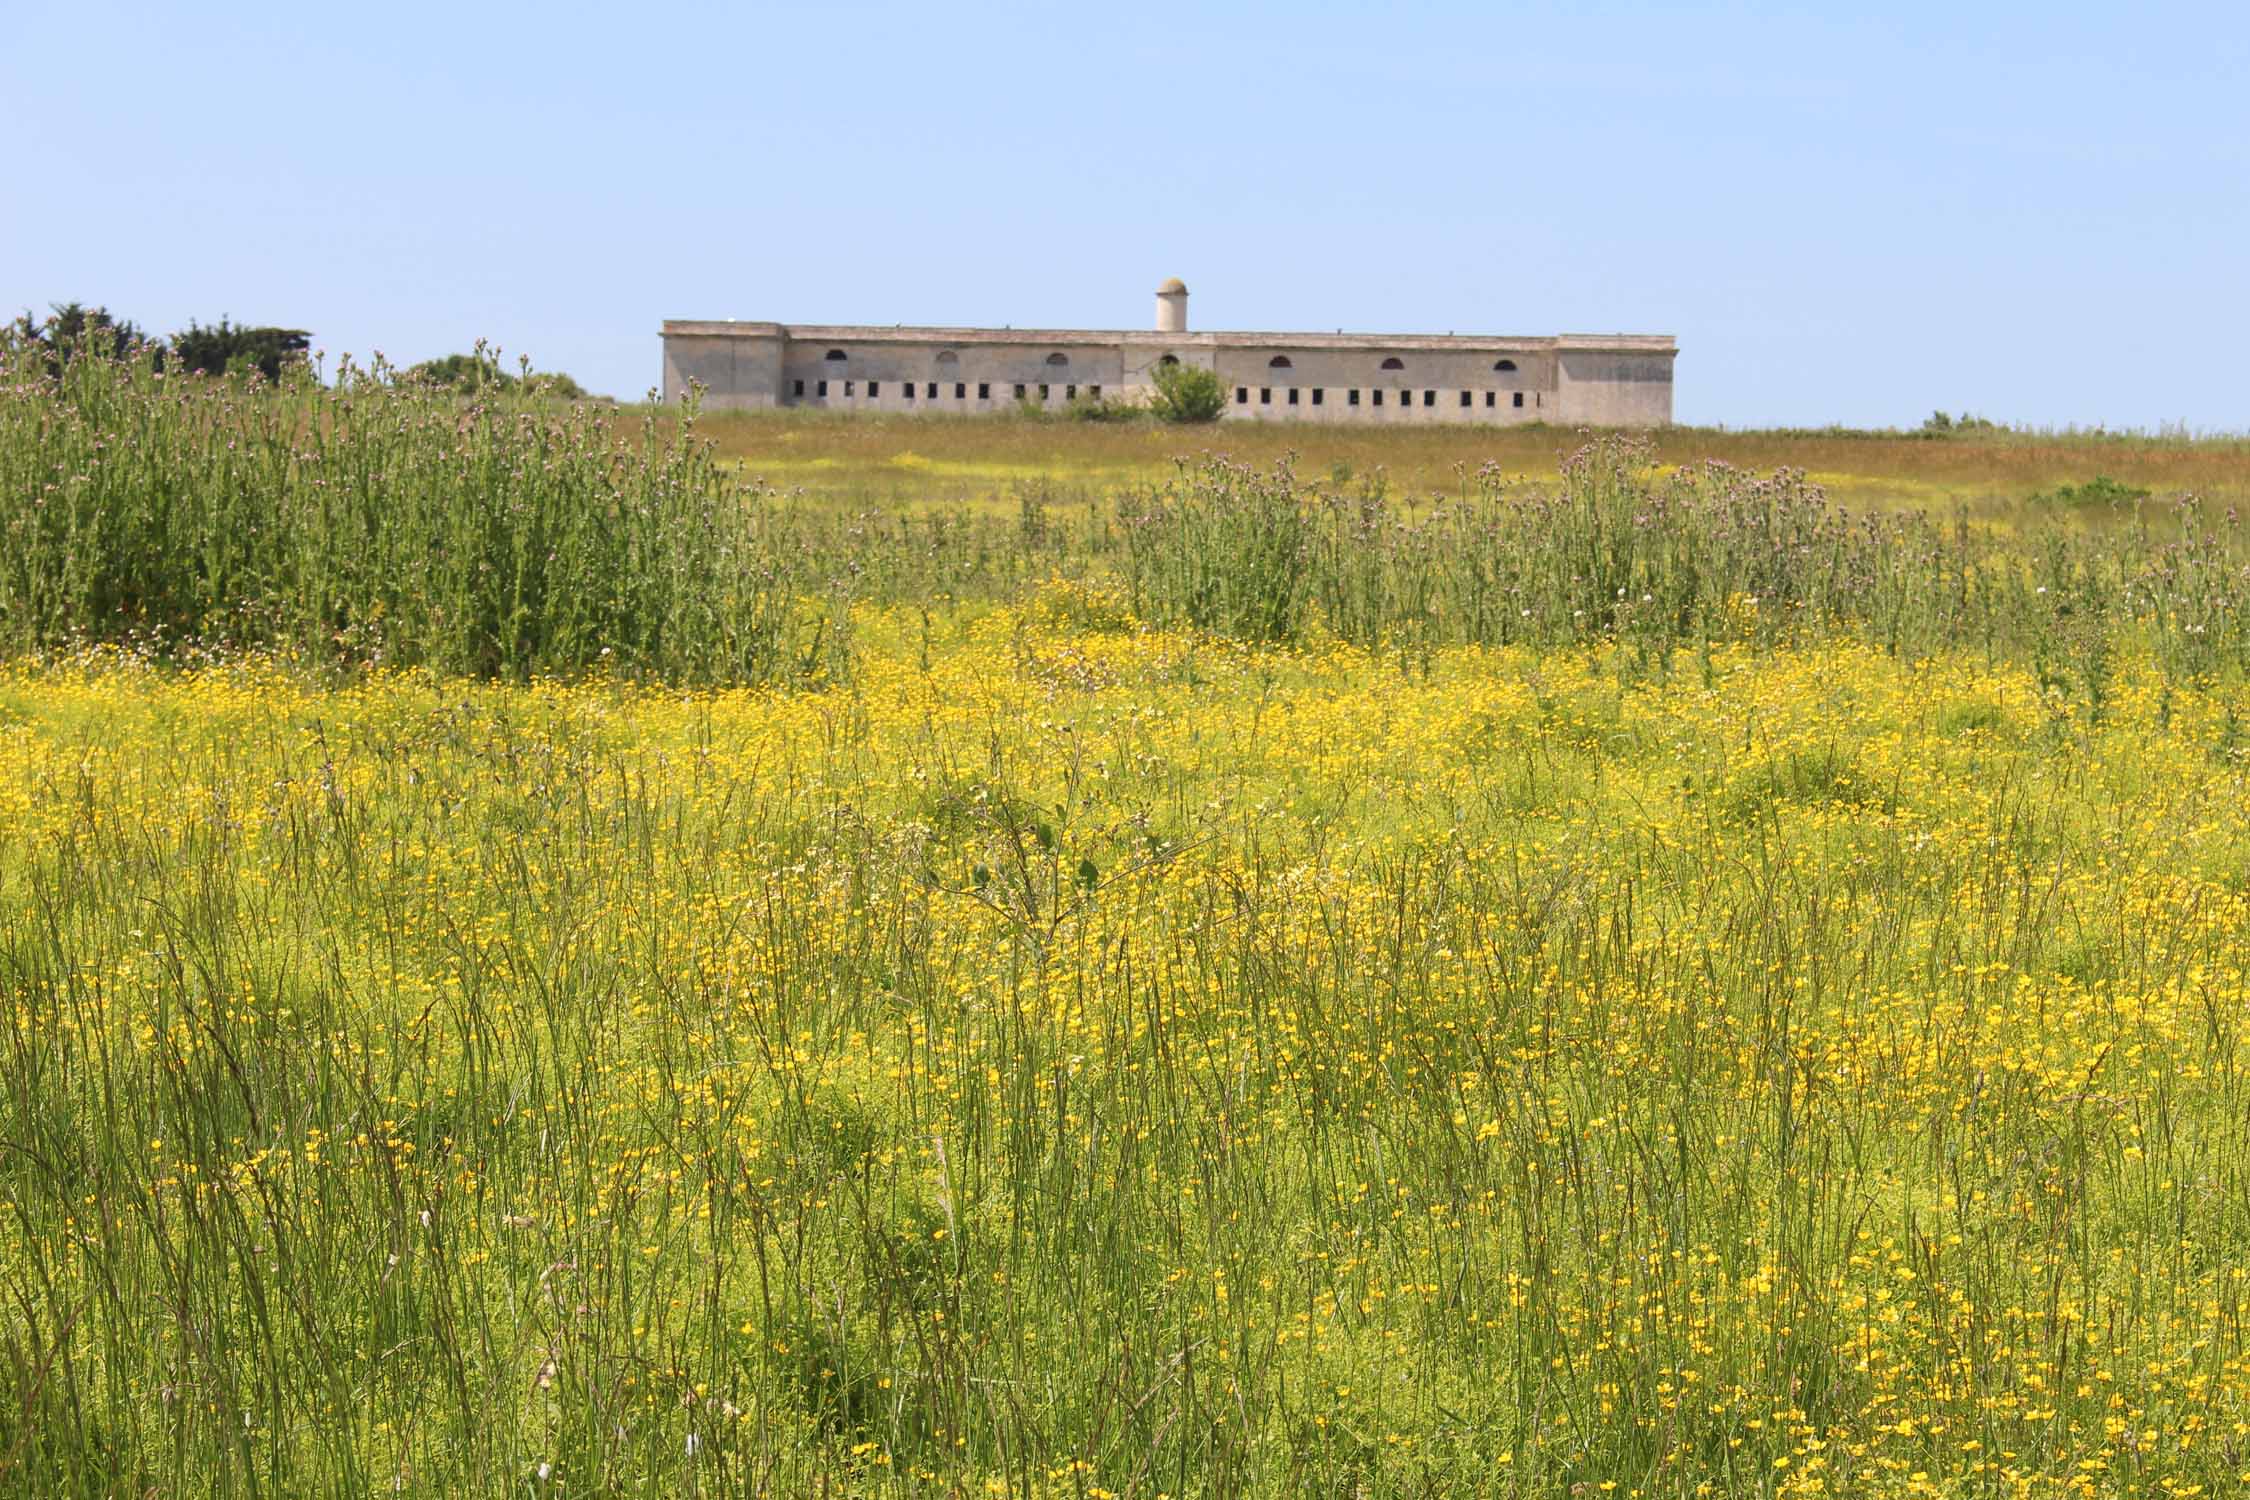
column 70, row 327
column 1188, row 393
column 226, row 346
column 1940, row 424
column 1085, row 408
column 480, row 371
column 2099, row 491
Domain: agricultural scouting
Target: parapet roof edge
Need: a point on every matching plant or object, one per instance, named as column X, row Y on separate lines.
column 1200, row 338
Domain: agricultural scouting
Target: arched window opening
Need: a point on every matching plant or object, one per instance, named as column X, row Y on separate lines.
column 1506, row 364
column 1394, row 363
column 1169, row 359
column 1278, row 362
column 948, row 357
column 1058, row 359
column 834, row 354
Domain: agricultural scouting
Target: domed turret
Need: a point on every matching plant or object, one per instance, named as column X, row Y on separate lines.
column 1171, row 306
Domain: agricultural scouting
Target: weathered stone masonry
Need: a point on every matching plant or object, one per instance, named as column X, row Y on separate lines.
column 1602, row 380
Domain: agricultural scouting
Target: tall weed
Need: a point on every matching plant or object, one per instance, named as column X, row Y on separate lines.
column 379, row 521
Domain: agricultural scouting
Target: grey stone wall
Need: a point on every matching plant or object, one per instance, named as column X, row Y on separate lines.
column 1606, row 388
column 1573, row 379
column 735, row 369
column 1332, row 385
column 939, row 375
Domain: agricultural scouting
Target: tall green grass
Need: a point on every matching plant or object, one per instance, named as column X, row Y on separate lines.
column 375, row 520
column 1669, row 562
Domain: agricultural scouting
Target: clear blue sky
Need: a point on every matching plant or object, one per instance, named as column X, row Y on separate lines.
column 2036, row 212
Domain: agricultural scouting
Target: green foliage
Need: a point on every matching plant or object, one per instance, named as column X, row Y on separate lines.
column 479, row 371
column 1805, row 778
column 1085, row 408
column 224, row 346
column 1222, row 549
column 2098, row 493
column 1979, row 716
column 371, row 521
column 460, row 372
column 71, row 328
column 1187, row 393
column 1941, row 425
column 1706, row 554
column 556, row 384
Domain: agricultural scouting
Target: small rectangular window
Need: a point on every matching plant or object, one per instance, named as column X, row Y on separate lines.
column 984, row 391
column 1265, row 395
column 1488, row 399
column 1019, row 393
column 1292, row 395
column 931, row 390
column 1378, row 398
column 1316, row 395
column 874, row 389
column 848, row 387
column 960, row 390
column 1094, row 392
column 799, row 388
column 908, row 393
column 1353, row 399
column 1429, row 398
column 1070, row 393
column 1464, row 398
column 1519, row 398
column 824, row 390
column 1042, row 393
column 1242, row 395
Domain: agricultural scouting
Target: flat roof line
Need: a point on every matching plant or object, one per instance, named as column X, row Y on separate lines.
column 931, row 333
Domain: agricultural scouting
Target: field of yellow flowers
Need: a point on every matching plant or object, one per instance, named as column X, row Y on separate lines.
column 1079, row 1058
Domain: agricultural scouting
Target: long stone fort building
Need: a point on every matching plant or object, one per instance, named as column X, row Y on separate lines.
column 1575, row 379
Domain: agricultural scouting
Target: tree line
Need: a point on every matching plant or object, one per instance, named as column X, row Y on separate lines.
column 72, row 328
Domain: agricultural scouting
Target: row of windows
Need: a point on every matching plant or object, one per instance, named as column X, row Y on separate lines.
column 1405, row 398
column 930, row 390
column 1062, row 360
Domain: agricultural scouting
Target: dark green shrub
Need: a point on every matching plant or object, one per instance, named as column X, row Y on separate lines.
column 1186, row 393
column 1943, row 425
column 2099, row 492
column 480, row 371
column 1084, row 408
column 69, row 328
column 225, row 346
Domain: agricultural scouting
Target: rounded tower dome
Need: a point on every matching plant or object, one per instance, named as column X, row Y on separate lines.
column 1171, row 306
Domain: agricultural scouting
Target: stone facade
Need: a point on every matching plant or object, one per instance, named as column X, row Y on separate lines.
column 1602, row 380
